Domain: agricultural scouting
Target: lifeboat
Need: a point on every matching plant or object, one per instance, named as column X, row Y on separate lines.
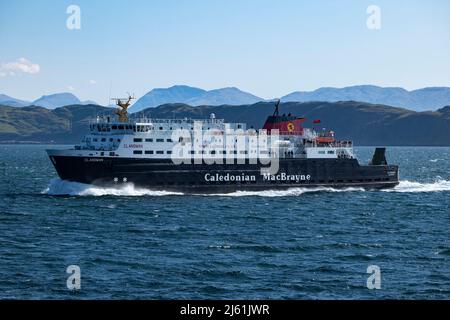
column 325, row 137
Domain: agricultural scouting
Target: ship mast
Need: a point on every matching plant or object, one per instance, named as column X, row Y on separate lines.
column 276, row 112
column 124, row 104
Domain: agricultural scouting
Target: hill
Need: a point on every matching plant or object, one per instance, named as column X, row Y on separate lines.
column 418, row 100
column 13, row 102
column 194, row 97
column 365, row 124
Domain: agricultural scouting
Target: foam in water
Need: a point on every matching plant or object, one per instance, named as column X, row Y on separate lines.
column 412, row 186
column 283, row 193
column 62, row 187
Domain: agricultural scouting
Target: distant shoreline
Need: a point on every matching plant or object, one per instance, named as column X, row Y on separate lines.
column 363, row 123
column 30, row 143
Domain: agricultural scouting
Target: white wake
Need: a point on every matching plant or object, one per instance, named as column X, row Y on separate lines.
column 406, row 186
column 62, row 187
column 283, row 193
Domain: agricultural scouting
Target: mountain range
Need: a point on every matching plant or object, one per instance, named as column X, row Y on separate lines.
column 364, row 123
column 431, row 98
column 194, row 97
column 13, row 102
column 51, row 101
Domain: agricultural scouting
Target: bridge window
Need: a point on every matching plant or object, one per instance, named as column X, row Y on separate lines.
column 148, row 140
column 137, row 152
column 148, row 151
column 159, row 152
column 169, row 140
column 331, row 152
column 159, row 140
column 137, row 140
column 103, row 139
column 169, row 152
column 114, row 127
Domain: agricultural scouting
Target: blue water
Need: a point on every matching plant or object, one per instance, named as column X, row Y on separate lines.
column 298, row 244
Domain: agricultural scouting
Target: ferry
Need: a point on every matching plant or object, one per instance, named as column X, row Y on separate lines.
column 213, row 156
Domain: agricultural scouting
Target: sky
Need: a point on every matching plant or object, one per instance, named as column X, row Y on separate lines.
column 269, row 48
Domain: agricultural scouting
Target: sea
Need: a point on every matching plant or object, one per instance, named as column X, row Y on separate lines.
column 65, row 240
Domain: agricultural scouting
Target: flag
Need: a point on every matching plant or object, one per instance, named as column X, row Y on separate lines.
column 317, row 121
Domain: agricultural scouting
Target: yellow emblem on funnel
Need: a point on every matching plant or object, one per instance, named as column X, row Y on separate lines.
column 290, row 127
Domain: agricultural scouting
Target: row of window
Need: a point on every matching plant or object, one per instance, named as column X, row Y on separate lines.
column 104, row 140
column 191, row 152
column 139, row 128
column 143, row 128
column 184, row 140
column 151, row 152
column 150, row 140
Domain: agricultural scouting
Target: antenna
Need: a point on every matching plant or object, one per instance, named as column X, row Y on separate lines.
column 277, row 103
column 109, row 97
column 124, row 104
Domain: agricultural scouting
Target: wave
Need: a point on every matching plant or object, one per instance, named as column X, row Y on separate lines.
column 406, row 186
column 60, row 187
column 283, row 193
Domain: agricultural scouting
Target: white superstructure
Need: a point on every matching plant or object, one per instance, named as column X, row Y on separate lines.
column 154, row 138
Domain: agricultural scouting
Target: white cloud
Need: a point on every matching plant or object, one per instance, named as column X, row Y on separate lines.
column 20, row 66
column 70, row 88
column 92, row 82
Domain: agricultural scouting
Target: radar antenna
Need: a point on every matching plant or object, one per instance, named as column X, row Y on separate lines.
column 277, row 103
column 124, row 104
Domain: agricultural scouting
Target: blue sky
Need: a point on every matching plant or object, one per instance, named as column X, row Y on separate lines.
column 269, row 48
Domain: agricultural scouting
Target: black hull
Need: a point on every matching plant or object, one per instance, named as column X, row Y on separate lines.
column 202, row 178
